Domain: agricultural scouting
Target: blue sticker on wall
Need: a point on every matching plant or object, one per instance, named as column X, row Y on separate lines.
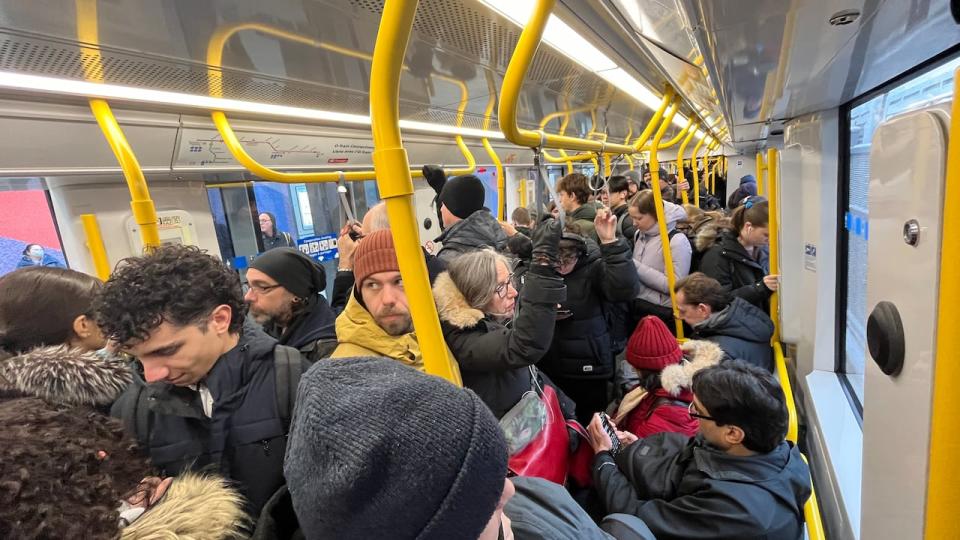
column 321, row 248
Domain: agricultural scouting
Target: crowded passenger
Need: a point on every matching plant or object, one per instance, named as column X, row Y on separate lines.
column 70, row 471
column 284, row 296
column 633, row 182
column 664, row 377
column 738, row 478
column 467, row 225
column 494, row 343
column 653, row 295
column 369, row 457
column 747, row 188
column 573, row 195
column 52, row 307
column 618, row 197
column 740, row 259
column 581, row 358
column 204, row 394
column 741, row 329
column 272, row 237
column 377, row 320
column 701, row 228
column 34, row 255
column 522, row 221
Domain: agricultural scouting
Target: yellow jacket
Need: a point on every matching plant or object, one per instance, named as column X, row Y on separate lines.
column 359, row 335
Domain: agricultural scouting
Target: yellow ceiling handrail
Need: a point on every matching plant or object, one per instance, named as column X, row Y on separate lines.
column 215, row 60
column 513, row 82
column 661, row 219
column 683, row 148
column 628, row 157
column 396, row 184
column 141, row 205
column 679, row 136
column 498, row 165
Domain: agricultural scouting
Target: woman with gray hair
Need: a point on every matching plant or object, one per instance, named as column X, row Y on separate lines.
column 493, row 339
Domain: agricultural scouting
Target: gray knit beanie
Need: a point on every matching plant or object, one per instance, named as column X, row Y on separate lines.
column 379, row 450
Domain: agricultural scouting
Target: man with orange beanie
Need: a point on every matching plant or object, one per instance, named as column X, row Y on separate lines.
column 377, row 321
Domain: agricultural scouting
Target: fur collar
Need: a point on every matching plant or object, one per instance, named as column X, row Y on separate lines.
column 65, row 376
column 452, row 306
column 699, row 355
column 194, row 507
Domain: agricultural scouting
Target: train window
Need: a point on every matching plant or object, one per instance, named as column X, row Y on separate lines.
column 863, row 117
column 28, row 230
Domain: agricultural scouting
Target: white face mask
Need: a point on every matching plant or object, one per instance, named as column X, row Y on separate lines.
column 36, row 252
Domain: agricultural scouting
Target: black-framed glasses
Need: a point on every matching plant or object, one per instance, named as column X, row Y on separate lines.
column 692, row 411
column 504, row 286
column 263, row 289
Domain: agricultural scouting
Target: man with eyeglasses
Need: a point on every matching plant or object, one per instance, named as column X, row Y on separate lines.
column 205, row 394
column 376, row 320
column 284, row 296
column 737, row 478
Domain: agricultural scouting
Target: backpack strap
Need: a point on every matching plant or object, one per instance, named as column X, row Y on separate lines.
column 288, row 367
column 135, row 412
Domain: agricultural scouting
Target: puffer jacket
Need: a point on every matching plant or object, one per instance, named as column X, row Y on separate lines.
column 742, row 330
column 581, row 346
column 244, row 438
column 729, row 263
column 648, row 257
column 194, row 506
column 665, row 409
column 494, row 358
column 360, row 335
column 684, row 489
column 479, row 230
column 584, row 217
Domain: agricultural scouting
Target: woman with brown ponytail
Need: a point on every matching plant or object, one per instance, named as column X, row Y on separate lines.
column 740, row 258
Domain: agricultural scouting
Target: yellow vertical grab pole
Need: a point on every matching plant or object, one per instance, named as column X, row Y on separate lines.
column 772, row 167
column 144, row 211
column 91, row 229
column 760, row 168
column 696, row 171
column 661, row 219
column 396, row 185
column 943, row 490
column 683, row 149
column 498, row 165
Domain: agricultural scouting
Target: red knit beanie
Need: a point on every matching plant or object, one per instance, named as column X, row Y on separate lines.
column 375, row 254
column 652, row 347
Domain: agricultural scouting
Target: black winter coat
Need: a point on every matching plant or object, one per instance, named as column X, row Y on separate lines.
column 581, row 346
column 627, row 229
column 742, row 330
column 245, row 438
column 684, row 489
column 729, row 263
column 494, row 358
column 479, row 230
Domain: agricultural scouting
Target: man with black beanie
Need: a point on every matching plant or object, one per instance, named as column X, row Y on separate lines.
column 284, row 297
column 468, row 226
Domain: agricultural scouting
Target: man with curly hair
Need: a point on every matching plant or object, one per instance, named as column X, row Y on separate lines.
column 204, row 394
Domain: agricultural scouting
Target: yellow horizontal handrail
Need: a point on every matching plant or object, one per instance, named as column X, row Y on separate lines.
column 215, row 60
column 396, row 185
column 513, row 82
column 677, row 138
column 811, row 512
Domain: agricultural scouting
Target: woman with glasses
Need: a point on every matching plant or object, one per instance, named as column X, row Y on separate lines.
column 494, row 332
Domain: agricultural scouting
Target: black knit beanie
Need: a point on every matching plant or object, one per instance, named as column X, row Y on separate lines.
column 463, row 195
column 293, row 270
column 380, row 450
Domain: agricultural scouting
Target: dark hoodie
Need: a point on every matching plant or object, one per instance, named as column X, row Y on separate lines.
column 312, row 332
column 685, row 489
column 742, row 330
column 479, row 230
column 748, row 187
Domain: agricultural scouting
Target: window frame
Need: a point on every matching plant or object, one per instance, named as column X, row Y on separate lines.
column 843, row 204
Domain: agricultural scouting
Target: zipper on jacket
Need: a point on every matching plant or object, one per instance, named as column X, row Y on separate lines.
column 266, row 447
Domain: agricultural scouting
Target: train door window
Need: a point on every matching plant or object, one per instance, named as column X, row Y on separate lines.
column 28, row 228
column 862, row 118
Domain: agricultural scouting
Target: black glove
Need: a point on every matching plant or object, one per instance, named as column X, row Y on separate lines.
column 435, row 177
column 546, row 243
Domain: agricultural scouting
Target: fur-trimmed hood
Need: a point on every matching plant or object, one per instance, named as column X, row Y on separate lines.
column 194, row 506
column 706, row 232
column 65, row 376
column 452, row 306
column 698, row 355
